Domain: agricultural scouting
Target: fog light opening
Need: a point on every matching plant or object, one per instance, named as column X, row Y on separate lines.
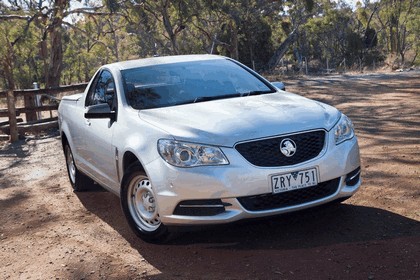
column 353, row 177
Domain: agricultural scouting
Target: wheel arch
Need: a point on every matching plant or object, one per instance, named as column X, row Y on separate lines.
column 66, row 136
column 130, row 159
column 64, row 140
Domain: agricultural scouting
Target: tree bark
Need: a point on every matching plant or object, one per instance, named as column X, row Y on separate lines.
column 55, row 66
column 168, row 26
column 281, row 50
column 8, row 72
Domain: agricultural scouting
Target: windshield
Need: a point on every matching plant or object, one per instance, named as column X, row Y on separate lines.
column 189, row 82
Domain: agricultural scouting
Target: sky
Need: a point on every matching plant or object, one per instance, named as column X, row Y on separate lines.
column 352, row 3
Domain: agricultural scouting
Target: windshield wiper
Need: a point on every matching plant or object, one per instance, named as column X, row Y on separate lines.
column 256, row 92
column 223, row 96
column 208, row 98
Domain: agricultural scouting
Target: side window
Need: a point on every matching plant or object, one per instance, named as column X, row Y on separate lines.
column 102, row 91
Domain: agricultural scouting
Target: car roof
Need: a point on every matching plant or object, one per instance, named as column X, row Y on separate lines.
column 160, row 60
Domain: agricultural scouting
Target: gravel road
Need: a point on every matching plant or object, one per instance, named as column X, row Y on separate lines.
column 49, row 232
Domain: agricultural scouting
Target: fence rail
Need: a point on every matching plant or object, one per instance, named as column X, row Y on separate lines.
column 32, row 106
column 5, row 112
column 51, row 91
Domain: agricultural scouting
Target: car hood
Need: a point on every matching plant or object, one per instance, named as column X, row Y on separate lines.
column 228, row 121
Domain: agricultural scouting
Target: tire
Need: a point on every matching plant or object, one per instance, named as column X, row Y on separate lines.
column 139, row 206
column 79, row 181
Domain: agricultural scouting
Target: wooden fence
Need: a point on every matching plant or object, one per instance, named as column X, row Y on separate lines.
column 33, row 106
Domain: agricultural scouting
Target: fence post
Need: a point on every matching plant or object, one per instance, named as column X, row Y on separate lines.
column 37, row 101
column 30, row 103
column 282, row 66
column 328, row 67
column 14, row 136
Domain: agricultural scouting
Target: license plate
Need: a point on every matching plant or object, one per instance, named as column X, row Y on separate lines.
column 294, row 180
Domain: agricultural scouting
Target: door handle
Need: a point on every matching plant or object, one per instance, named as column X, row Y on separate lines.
column 87, row 122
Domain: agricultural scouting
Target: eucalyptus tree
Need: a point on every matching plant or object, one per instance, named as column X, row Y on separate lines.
column 295, row 14
column 47, row 20
column 400, row 21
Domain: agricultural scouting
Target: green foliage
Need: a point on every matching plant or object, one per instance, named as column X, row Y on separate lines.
column 22, row 40
column 248, row 30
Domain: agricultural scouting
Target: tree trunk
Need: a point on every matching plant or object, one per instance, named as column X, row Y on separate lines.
column 56, row 55
column 402, row 54
column 414, row 58
column 11, row 103
column 281, row 50
column 235, row 48
column 56, row 60
column 168, row 26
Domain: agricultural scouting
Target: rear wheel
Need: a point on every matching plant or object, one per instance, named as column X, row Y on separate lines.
column 78, row 180
column 138, row 202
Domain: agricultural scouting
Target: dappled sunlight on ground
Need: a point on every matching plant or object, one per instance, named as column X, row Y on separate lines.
column 47, row 231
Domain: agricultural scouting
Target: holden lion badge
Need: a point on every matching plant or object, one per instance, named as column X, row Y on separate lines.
column 288, row 147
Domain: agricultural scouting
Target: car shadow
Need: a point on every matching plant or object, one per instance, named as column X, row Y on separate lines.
column 308, row 230
column 342, row 241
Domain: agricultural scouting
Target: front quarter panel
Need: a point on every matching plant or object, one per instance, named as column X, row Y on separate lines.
column 135, row 136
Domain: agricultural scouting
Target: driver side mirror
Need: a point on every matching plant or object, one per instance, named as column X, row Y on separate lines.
column 100, row 111
column 279, row 85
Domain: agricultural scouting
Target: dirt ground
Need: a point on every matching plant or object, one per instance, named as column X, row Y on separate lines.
column 49, row 232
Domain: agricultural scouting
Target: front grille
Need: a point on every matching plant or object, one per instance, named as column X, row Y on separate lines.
column 202, row 207
column 266, row 153
column 290, row 198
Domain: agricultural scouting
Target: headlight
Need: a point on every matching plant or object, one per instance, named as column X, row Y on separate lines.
column 183, row 154
column 344, row 130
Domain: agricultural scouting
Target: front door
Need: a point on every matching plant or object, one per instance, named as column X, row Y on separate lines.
column 99, row 152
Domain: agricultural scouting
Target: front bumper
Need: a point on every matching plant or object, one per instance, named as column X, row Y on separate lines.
column 240, row 179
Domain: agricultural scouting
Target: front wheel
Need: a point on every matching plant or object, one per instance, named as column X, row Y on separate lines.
column 138, row 202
